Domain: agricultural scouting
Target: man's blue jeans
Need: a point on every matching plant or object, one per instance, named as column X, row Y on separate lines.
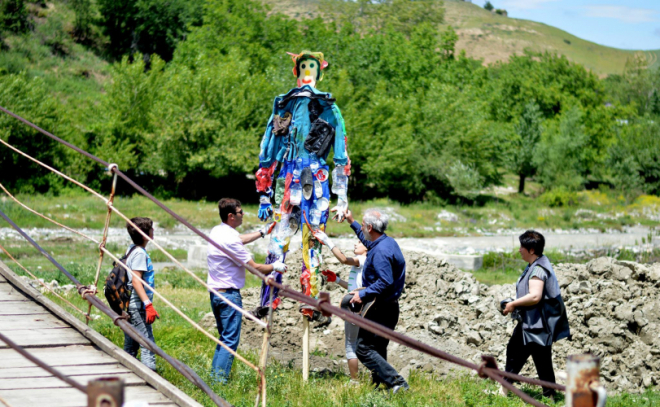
column 228, row 321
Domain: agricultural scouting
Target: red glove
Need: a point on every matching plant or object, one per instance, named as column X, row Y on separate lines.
column 264, row 177
column 152, row 314
column 332, row 277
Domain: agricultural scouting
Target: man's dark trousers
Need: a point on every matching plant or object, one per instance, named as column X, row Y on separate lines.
column 372, row 349
column 517, row 354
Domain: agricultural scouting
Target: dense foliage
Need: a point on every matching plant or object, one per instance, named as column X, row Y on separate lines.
column 192, row 87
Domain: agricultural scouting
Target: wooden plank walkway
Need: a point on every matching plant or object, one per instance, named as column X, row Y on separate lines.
column 63, row 342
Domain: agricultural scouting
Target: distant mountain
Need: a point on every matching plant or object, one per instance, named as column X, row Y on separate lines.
column 493, row 37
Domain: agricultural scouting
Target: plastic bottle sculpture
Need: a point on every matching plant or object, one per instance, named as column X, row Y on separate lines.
column 305, row 124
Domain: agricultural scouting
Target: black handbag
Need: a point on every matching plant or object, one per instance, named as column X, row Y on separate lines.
column 320, row 137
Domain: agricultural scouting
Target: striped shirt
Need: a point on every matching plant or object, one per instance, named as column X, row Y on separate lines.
column 538, row 272
column 355, row 276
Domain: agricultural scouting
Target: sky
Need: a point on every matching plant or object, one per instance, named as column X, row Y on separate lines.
column 627, row 24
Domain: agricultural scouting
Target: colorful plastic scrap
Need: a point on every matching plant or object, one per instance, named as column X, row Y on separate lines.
column 305, row 125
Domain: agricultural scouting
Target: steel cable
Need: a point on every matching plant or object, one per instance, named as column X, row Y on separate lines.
column 124, row 325
column 42, row 283
column 42, row 365
column 123, row 265
column 288, row 292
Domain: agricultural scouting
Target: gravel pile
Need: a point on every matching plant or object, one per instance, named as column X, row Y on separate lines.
column 613, row 309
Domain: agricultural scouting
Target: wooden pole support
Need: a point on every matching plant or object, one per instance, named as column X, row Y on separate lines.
column 305, row 347
column 105, row 392
column 583, row 388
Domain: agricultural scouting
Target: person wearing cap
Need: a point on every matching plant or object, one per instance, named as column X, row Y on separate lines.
column 353, row 284
column 541, row 313
column 383, row 276
column 304, row 127
column 227, row 276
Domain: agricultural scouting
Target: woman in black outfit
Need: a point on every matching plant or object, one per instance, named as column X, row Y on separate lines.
column 541, row 313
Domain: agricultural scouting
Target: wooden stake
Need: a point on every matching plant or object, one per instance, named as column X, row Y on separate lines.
column 305, row 347
column 264, row 352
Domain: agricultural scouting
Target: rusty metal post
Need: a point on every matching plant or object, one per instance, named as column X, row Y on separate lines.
column 583, row 388
column 105, row 392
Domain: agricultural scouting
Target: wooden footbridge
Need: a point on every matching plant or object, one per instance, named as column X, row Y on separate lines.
column 62, row 341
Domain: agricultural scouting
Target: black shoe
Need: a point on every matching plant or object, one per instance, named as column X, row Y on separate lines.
column 307, row 183
column 400, row 388
column 322, row 321
column 259, row 312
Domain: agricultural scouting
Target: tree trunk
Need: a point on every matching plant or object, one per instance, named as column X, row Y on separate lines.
column 521, row 184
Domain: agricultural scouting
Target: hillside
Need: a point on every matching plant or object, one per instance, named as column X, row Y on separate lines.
column 492, row 37
column 73, row 72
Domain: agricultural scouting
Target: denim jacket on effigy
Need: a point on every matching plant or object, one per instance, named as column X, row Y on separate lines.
column 545, row 322
column 289, row 147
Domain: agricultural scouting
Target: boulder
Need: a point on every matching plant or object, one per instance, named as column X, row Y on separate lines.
column 208, row 321
column 600, row 266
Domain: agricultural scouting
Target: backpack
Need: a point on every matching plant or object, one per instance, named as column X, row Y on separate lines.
column 116, row 286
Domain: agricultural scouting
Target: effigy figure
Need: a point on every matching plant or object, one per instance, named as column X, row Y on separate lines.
column 304, row 126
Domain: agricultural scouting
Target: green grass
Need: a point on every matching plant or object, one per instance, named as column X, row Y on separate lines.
column 71, row 71
column 285, row 386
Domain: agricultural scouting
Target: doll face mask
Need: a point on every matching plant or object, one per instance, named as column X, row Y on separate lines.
column 308, row 72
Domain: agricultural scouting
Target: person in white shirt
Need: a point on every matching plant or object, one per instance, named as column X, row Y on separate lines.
column 354, row 282
column 227, row 276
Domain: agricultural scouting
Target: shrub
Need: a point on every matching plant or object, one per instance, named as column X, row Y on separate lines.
column 560, row 197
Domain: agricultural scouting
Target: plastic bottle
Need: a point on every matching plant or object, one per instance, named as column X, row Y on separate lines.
column 313, row 260
column 315, row 216
column 279, row 190
column 298, row 168
column 274, row 246
column 313, row 163
column 342, row 203
column 296, row 193
column 339, row 181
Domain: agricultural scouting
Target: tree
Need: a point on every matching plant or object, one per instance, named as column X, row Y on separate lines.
column 563, row 157
column 552, row 81
column 147, row 26
column 82, row 25
column 635, row 157
column 528, row 133
column 19, row 93
column 448, row 40
column 638, row 86
column 488, row 6
column 14, row 16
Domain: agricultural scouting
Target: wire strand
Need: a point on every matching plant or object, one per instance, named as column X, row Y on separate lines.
column 41, row 282
column 284, row 290
column 135, row 275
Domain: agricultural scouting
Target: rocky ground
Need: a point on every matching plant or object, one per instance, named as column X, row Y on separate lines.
column 613, row 309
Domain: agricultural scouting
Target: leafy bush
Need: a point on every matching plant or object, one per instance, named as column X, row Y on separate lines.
column 28, row 97
column 559, row 197
column 635, row 157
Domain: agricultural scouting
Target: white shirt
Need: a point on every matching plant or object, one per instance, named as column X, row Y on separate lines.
column 223, row 271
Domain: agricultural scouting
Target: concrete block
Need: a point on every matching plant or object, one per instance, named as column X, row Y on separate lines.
column 465, row 261
column 197, row 256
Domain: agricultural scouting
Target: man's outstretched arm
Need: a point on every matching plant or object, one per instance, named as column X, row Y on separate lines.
column 357, row 228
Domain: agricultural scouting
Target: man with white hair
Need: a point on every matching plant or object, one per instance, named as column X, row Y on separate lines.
column 383, row 277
